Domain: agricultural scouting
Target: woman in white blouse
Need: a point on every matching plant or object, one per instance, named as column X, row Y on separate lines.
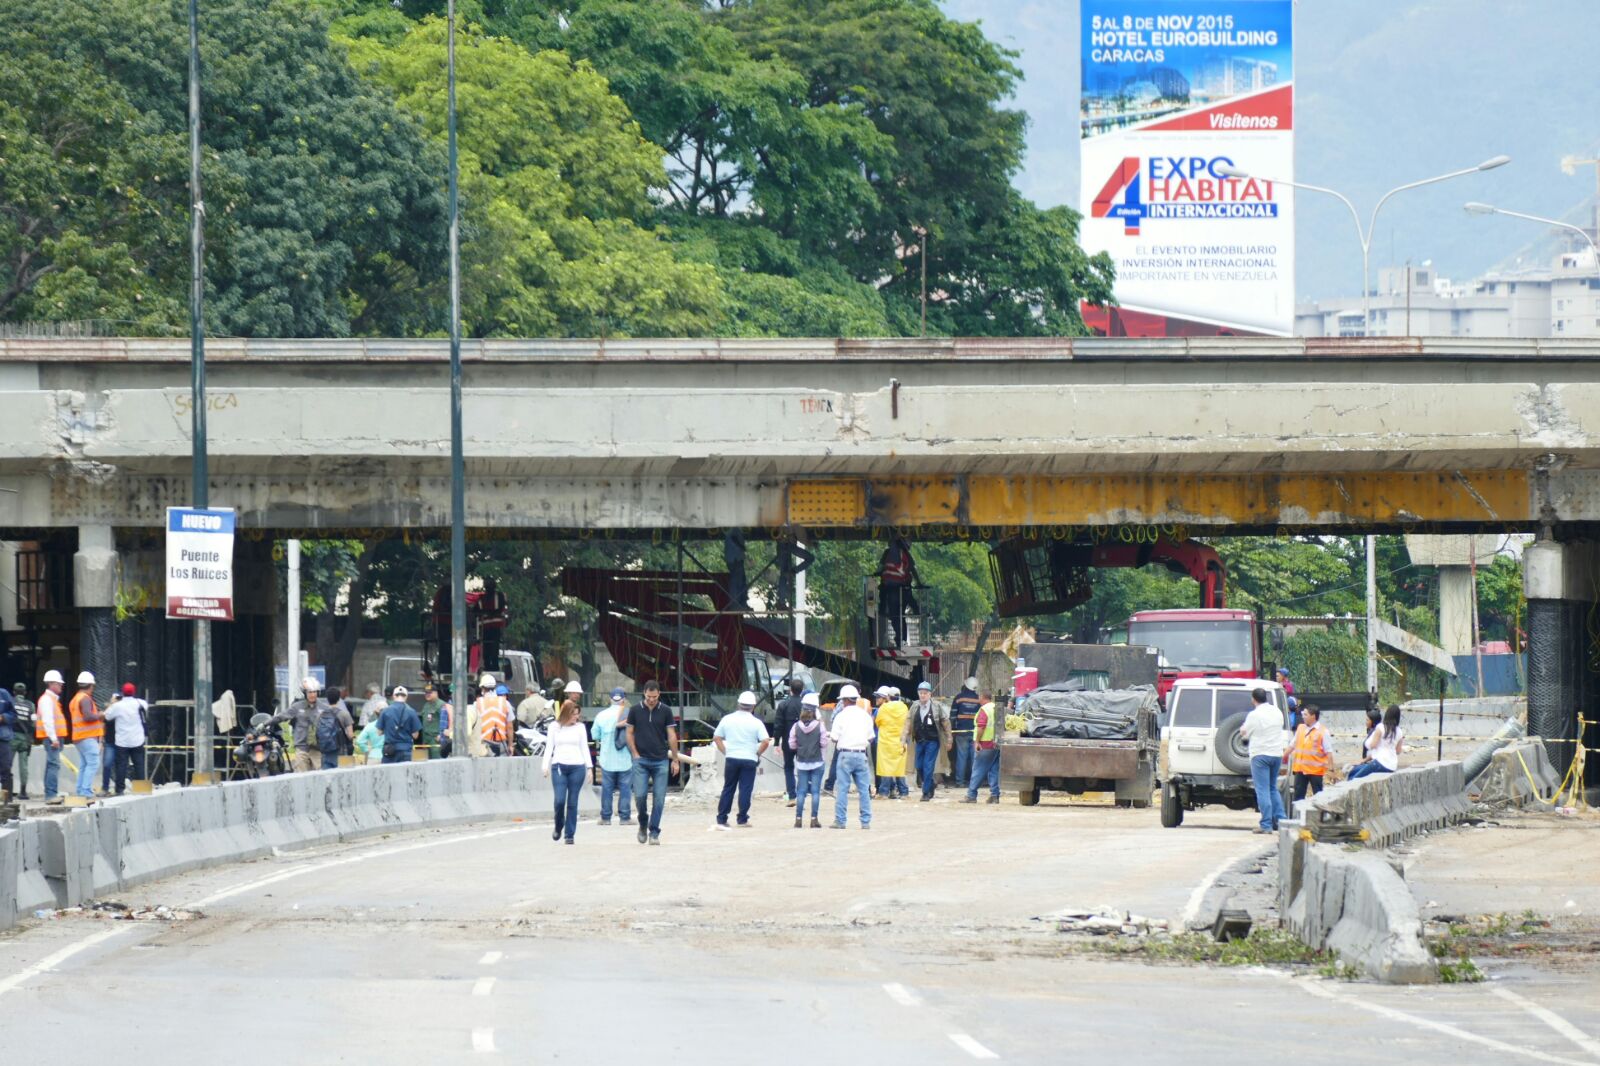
column 566, row 749
column 1383, row 746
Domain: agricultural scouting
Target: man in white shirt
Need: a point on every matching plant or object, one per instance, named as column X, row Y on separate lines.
column 127, row 718
column 1263, row 728
column 373, row 706
column 851, row 734
column 742, row 739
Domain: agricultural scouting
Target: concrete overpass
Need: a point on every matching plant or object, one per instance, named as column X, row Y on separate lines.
column 828, row 435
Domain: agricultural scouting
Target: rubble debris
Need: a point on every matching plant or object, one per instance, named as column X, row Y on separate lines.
column 122, row 912
column 1103, row 921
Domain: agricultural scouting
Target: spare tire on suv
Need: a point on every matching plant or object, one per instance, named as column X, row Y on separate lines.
column 1233, row 751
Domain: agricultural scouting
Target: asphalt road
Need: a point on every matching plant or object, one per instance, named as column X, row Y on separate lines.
column 912, row 942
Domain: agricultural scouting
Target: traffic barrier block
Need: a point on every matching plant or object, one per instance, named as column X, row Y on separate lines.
column 1356, row 905
column 1519, row 775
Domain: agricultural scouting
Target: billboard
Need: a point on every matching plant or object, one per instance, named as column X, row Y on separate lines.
column 200, row 563
column 1175, row 95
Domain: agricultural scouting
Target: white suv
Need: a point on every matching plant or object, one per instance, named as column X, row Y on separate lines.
column 1207, row 761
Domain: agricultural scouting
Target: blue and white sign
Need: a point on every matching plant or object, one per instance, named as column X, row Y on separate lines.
column 200, row 563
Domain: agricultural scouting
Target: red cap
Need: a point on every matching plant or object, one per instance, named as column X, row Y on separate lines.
column 128, row 689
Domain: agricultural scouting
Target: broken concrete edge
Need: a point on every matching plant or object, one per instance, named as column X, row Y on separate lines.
column 1519, row 775
column 64, row 861
column 1354, row 904
column 1219, row 895
column 1391, row 807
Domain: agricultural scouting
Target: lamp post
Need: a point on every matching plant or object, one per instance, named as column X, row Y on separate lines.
column 1486, row 209
column 459, row 681
column 201, row 490
column 1365, row 236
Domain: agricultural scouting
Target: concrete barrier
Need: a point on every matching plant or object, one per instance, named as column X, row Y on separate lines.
column 1519, row 775
column 1389, row 807
column 65, row 860
column 1354, row 904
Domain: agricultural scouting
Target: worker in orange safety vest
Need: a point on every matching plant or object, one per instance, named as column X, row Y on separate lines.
column 1311, row 755
column 489, row 720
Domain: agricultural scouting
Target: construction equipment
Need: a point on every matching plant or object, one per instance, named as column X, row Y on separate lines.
column 1033, row 577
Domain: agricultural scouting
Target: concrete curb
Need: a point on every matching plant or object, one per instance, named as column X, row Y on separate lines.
column 1391, row 807
column 1354, row 904
column 66, row 860
column 1505, row 783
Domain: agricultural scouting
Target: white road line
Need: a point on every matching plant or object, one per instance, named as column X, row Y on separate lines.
column 903, row 995
column 971, row 1046
column 50, row 962
column 483, row 1040
column 491, row 957
column 483, row 986
column 1318, row 988
column 314, row 867
column 1550, row 1018
column 1191, row 908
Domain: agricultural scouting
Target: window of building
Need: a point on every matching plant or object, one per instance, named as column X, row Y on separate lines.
column 1561, row 325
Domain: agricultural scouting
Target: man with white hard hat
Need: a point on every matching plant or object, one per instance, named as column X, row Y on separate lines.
column 489, row 720
column 50, row 729
column 88, row 729
column 303, row 714
column 851, row 734
column 742, row 739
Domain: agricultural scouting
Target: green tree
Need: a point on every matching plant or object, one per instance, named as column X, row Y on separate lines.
column 556, row 178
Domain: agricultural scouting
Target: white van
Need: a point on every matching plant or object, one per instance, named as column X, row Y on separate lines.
column 1207, row 761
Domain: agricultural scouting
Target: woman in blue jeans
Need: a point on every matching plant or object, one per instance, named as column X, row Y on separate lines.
column 566, row 751
column 1383, row 746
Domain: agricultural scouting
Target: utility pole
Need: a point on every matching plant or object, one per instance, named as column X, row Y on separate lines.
column 924, row 256
column 460, row 682
column 1372, row 616
column 197, row 392
column 292, row 674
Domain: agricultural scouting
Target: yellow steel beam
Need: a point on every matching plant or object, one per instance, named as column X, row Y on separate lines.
column 1373, row 498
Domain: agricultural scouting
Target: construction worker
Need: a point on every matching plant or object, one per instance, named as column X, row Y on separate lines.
column 127, row 716
column 88, row 730
column 50, row 729
column 22, row 736
column 985, row 754
column 851, row 734
column 1311, row 754
column 963, row 711
column 400, row 726
column 930, row 729
column 489, row 720
column 742, row 740
column 897, row 572
column 303, row 714
column 435, row 727
column 894, row 720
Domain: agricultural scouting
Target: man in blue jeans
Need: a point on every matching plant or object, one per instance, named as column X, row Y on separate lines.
column 1263, row 728
column 985, row 756
column 852, row 736
column 742, row 739
column 610, row 733
column 963, row 712
column 652, row 741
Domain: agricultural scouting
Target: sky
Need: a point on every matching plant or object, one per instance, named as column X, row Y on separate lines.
column 1386, row 92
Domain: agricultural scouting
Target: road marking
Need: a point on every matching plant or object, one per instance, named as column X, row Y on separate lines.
column 483, row 986
column 1317, row 988
column 315, row 867
column 903, row 995
column 1191, row 908
column 1550, row 1018
column 483, row 1040
column 971, row 1046
column 491, row 957
column 50, row 962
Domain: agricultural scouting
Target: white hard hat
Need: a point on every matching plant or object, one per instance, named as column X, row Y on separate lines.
column 849, row 693
column 882, row 690
column 86, row 678
column 747, row 698
column 311, row 684
column 53, row 677
column 808, row 700
column 400, row 692
column 894, row 690
column 487, row 681
column 574, row 688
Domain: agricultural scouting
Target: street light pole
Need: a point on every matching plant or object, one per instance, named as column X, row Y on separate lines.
column 197, row 390
column 1486, row 209
column 459, row 681
column 1365, row 235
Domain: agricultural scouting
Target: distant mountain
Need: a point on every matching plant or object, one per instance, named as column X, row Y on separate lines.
column 1387, row 91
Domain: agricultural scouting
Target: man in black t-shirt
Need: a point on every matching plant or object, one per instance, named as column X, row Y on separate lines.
column 787, row 714
column 653, row 739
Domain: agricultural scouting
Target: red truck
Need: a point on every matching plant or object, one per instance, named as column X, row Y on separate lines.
column 1200, row 642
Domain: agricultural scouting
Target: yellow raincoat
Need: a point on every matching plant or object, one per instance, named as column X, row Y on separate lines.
column 892, row 718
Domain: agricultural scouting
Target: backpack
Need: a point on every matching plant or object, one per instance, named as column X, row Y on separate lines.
column 328, row 730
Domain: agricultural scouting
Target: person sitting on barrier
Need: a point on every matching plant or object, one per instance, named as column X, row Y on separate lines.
column 401, row 726
column 1383, row 746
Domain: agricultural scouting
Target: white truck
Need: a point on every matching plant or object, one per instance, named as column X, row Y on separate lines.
column 1206, row 759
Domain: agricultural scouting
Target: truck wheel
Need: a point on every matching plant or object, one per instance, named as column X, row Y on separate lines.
column 1171, row 809
column 1028, row 797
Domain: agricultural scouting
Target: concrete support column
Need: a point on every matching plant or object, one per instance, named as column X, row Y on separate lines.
column 1455, row 609
column 94, row 588
column 1558, row 580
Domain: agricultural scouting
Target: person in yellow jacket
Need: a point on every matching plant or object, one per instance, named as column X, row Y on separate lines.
column 893, row 719
column 1311, row 755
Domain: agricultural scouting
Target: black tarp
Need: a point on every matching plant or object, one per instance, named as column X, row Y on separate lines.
column 1066, row 712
